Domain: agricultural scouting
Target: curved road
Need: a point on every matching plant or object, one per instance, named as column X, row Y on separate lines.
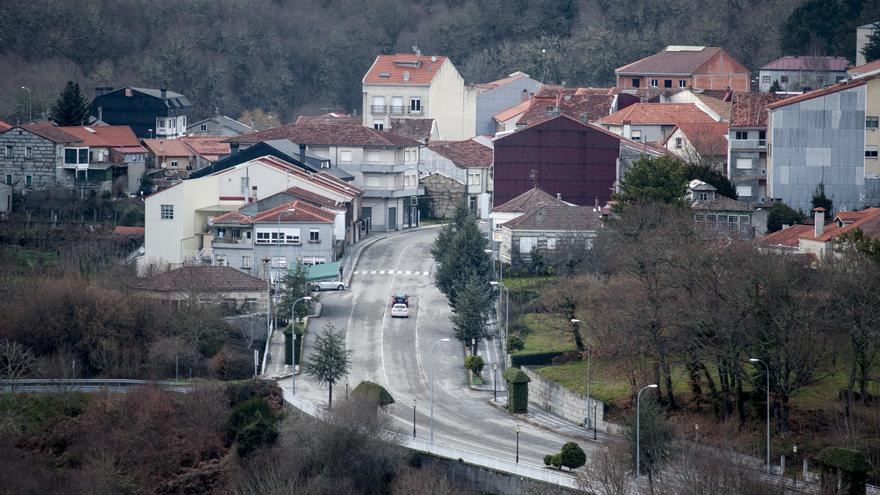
column 396, row 354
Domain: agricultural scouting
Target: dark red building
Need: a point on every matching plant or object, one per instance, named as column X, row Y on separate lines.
column 561, row 156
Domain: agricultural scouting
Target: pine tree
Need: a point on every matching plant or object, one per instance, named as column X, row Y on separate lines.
column 330, row 360
column 821, row 201
column 460, row 250
column 71, row 108
column 473, row 303
column 659, row 179
column 295, row 285
column 775, row 87
column 871, row 50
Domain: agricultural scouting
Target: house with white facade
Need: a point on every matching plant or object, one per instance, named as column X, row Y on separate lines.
column 468, row 163
column 496, row 96
column 412, row 85
column 178, row 220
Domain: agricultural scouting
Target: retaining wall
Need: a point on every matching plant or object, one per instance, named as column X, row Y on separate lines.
column 561, row 401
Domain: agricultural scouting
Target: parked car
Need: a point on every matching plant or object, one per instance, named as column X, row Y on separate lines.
column 400, row 310
column 328, row 285
column 400, row 299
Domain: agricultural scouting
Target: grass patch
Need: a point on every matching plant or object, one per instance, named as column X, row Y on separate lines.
column 34, row 412
column 542, row 332
column 29, row 258
column 526, row 284
column 476, row 380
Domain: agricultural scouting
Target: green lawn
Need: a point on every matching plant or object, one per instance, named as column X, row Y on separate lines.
column 542, row 332
column 525, row 284
column 34, row 411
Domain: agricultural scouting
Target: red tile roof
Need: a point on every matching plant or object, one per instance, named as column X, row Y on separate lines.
column 658, row 114
column 330, row 131
column 847, row 217
column 864, row 69
column 290, row 212
column 465, row 154
column 750, row 109
column 314, row 198
column 717, row 105
column 513, row 111
column 389, row 69
column 201, row 279
column 4, row 126
column 788, row 237
column 50, row 132
column 818, row 93
column 556, row 217
column 708, row 139
column 417, row 129
column 528, row 201
column 581, row 104
column 104, row 136
column 869, row 224
column 210, row 147
column 682, row 62
column 837, row 64
column 168, row 147
column 322, row 179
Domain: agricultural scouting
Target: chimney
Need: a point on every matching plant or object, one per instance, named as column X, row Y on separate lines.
column 302, row 152
column 627, row 129
column 253, row 198
column 819, row 220
column 100, row 114
column 164, row 93
column 558, row 196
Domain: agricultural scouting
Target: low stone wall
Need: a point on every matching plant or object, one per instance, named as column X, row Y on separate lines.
column 483, row 480
column 561, row 401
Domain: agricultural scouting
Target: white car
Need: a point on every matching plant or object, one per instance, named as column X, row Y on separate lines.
column 399, row 311
column 328, row 285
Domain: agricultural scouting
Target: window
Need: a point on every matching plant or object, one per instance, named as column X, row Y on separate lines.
column 636, row 82
column 679, row 142
column 220, row 260
column 636, row 135
column 344, row 155
column 654, row 83
column 765, row 79
column 397, row 104
column 283, row 235
column 379, row 125
column 173, row 163
column 8, row 179
column 783, row 79
column 28, row 151
column 167, row 212
column 415, row 105
column 743, row 163
column 762, row 135
column 325, row 163
column 378, row 104
column 204, row 127
column 682, row 83
column 373, row 155
column 313, row 260
column 667, row 83
column 8, row 153
column 871, row 152
column 314, row 235
column 526, row 244
column 551, row 243
column 279, row 261
column 703, row 196
column 245, row 261
column 244, row 185
column 871, row 123
column 221, row 232
column 29, row 179
column 741, row 135
column 474, row 179
column 743, row 191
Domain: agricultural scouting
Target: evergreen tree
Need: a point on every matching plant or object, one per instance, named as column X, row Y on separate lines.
column 649, row 179
column 655, row 439
column 711, row 176
column 781, row 214
column 295, row 285
column 473, row 304
column 821, row 201
column 775, row 87
column 330, row 360
column 460, row 250
column 871, row 50
column 71, row 108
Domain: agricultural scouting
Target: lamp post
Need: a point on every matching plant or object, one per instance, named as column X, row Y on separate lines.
column 506, row 319
column 638, row 425
column 590, row 417
column 494, row 257
column 30, row 103
column 265, row 262
column 293, row 343
column 414, row 418
column 432, row 385
column 756, row 360
column 517, row 444
column 495, row 382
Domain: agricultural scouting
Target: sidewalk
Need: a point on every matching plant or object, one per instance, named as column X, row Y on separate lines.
column 549, row 421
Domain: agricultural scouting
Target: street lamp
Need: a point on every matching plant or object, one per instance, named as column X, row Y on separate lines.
column 495, row 382
column 414, row 418
column 506, row 317
column 590, row 418
column 517, row 444
column 432, row 384
column 638, row 425
column 491, row 252
column 756, row 360
column 30, row 103
column 293, row 343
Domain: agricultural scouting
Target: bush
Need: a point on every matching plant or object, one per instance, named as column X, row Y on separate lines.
column 514, row 343
column 373, row 392
column 475, row 364
column 534, row 359
column 238, row 393
column 572, row 456
column 250, row 425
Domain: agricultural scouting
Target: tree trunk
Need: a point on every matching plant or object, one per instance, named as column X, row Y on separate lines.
column 669, row 393
column 740, row 399
column 578, row 341
column 863, row 379
column 850, row 386
column 713, row 391
column 693, row 368
column 330, row 397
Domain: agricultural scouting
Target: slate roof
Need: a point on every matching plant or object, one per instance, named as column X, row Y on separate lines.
column 201, row 279
column 104, row 136
column 528, row 201
column 421, row 69
column 658, row 114
column 417, row 129
column 570, row 218
column 581, row 104
column 750, row 109
column 721, row 203
column 831, row 64
column 330, row 131
column 173, row 99
column 465, row 154
column 683, row 62
column 50, row 132
column 225, row 121
column 788, row 237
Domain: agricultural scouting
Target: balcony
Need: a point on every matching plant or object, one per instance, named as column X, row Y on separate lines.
column 397, row 109
column 748, row 144
column 378, row 109
column 385, row 168
column 393, row 193
column 232, row 243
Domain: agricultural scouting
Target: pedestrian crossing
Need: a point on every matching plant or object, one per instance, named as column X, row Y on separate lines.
column 412, row 273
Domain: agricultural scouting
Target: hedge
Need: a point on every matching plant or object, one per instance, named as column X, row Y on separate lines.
column 373, row 392
column 517, row 390
column 534, row 359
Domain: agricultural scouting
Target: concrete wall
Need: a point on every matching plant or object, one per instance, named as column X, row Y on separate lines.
column 561, row 401
column 862, row 35
column 754, row 177
column 492, row 101
column 482, row 480
column 821, row 140
column 453, row 105
column 872, row 136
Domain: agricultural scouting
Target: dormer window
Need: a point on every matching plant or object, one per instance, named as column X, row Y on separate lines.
column 703, row 196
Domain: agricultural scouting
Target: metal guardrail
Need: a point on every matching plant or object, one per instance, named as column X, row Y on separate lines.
column 50, row 384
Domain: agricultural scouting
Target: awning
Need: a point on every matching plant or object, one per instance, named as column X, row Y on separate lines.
column 320, row 272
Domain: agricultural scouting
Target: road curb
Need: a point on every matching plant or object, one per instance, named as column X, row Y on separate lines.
column 369, row 242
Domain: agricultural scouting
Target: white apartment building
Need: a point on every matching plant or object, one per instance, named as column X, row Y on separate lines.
column 412, row 85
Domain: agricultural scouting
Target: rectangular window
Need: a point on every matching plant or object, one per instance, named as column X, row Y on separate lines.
column 245, row 261
column 8, row 179
column 474, row 179
column 872, row 122
column 379, row 125
column 636, row 82
column 282, row 235
column 871, row 152
column 415, row 105
column 345, row 156
column 743, row 163
column 220, row 260
column 679, row 142
column 783, row 79
column 703, row 196
column 667, row 83
column 8, row 152
column 551, row 243
column 173, row 163
column 29, row 179
column 743, row 191
column 167, row 212
column 636, row 135
column 741, row 135
column 314, row 235
column 682, row 83
column 314, row 260
column 765, row 79
column 244, row 185
column 526, row 244
column 279, row 261
column 397, row 104
column 28, row 151
column 654, row 83
column 762, row 135
column 373, row 156
column 378, row 104
column 205, row 128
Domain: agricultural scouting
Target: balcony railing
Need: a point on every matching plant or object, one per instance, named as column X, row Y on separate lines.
column 751, row 144
column 417, row 111
column 397, row 109
column 378, row 109
column 232, row 241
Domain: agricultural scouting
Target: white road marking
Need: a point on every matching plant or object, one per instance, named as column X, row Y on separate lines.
column 373, row 272
column 409, row 272
column 385, row 319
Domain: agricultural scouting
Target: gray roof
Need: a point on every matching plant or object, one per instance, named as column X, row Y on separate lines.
column 721, row 203
column 290, row 148
column 570, row 218
column 172, row 98
column 225, row 121
column 528, row 201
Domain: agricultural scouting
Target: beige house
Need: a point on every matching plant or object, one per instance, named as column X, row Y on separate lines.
column 412, row 85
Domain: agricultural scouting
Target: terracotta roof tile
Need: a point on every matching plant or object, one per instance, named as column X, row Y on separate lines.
column 326, row 130
column 581, row 104
column 671, row 62
column 465, row 154
column 168, row 147
column 513, row 111
column 708, row 139
column 869, row 224
column 864, row 69
column 836, row 64
column 717, row 105
column 108, row 136
column 50, row 132
column 210, row 147
column 657, row 114
column 314, row 198
column 4, row 126
column 390, row 69
column 721, row 203
column 528, row 201
column 788, row 237
column 847, row 217
column 201, row 279
column 580, row 218
column 750, row 109
column 417, row 129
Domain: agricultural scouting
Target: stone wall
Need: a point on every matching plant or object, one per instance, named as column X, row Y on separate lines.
column 442, row 194
column 41, row 165
column 561, row 401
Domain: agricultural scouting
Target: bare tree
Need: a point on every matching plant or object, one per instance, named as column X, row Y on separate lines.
column 608, row 472
column 16, row 360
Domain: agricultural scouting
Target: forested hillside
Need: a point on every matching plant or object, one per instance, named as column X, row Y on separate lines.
column 292, row 56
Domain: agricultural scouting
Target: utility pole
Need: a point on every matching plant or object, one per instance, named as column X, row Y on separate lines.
column 30, row 103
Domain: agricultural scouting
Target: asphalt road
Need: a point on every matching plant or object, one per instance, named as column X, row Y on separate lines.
column 396, row 353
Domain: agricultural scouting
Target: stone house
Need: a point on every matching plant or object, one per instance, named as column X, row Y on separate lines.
column 716, row 215
column 550, row 229
column 40, row 156
column 467, row 162
column 223, row 286
column 442, row 195
column 802, row 73
column 116, row 157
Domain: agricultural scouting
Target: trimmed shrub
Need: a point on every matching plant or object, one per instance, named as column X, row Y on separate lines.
column 533, row 359
column 250, row 425
column 518, row 390
column 475, row 364
column 374, row 393
column 851, row 466
column 514, row 343
column 572, row 456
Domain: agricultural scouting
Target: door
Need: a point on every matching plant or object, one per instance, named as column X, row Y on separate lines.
column 392, row 218
column 367, row 213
